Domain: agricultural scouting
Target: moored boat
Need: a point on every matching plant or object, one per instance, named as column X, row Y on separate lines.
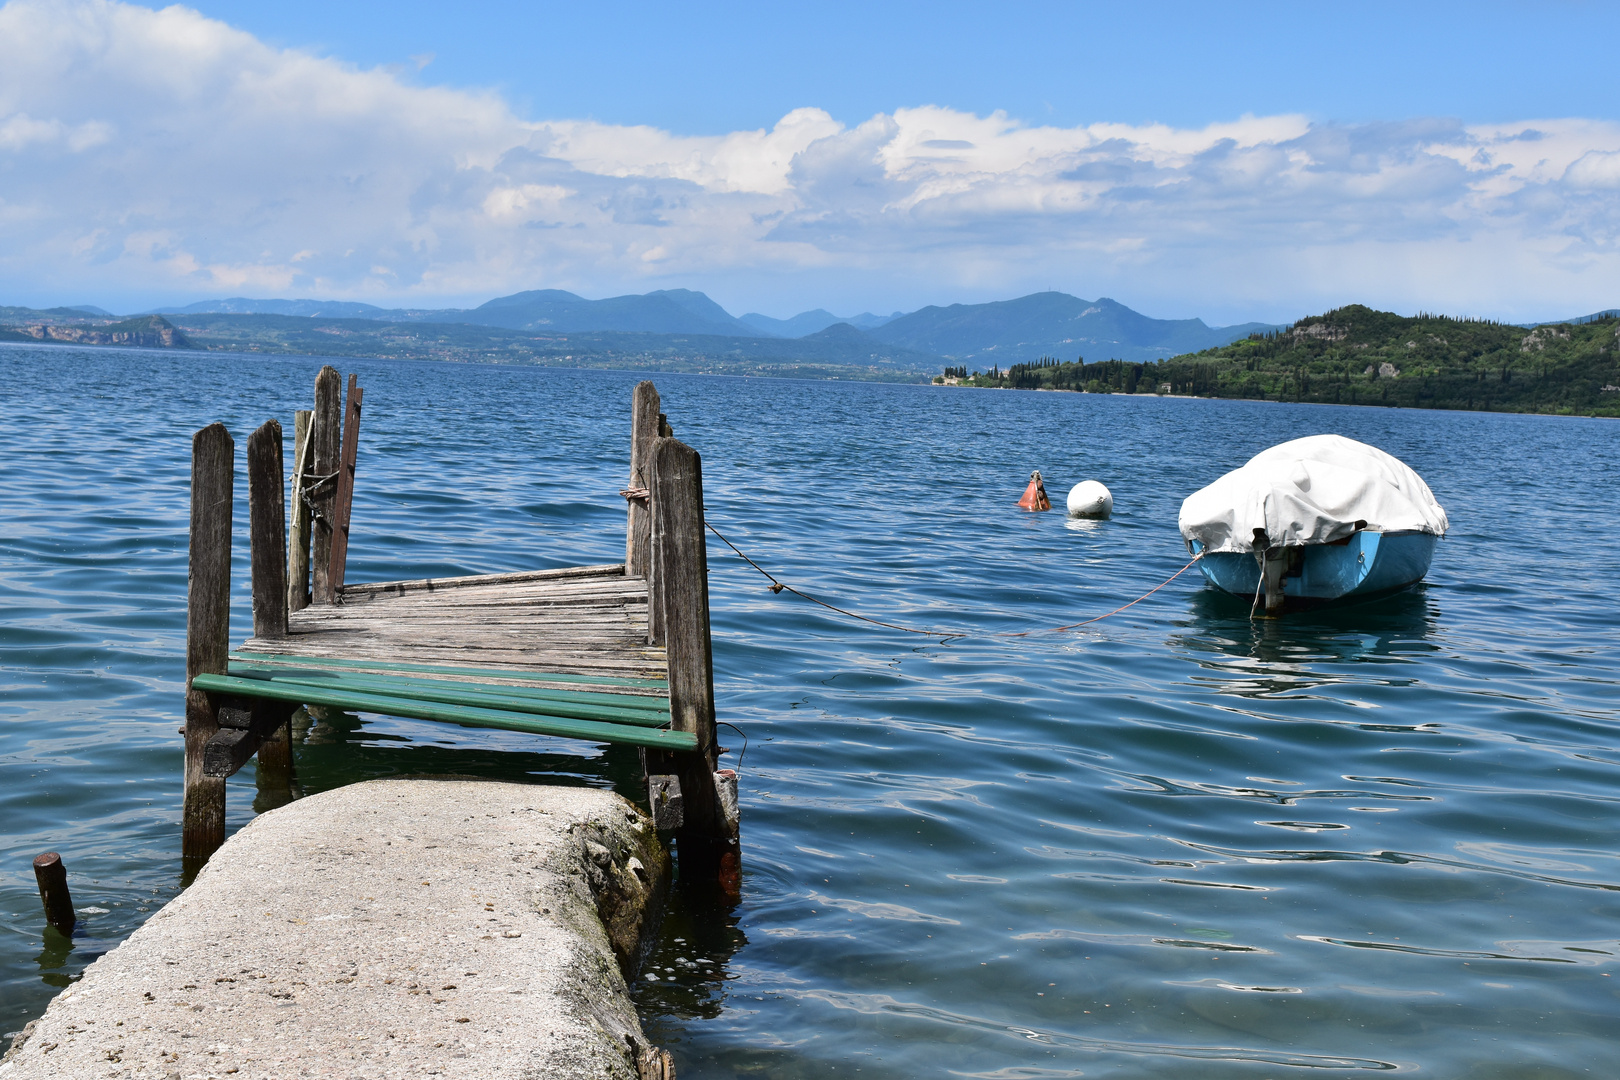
column 1314, row 519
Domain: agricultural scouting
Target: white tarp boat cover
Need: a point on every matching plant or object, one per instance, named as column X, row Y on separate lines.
column 1310, row 491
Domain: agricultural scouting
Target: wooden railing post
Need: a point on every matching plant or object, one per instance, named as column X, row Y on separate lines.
column 298, row 535
column 325, row 435
column 343, row 507
column 643, row 430
column 208, row 615
column 708, row 836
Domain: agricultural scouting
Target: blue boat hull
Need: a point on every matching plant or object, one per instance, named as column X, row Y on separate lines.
column 1368, row 563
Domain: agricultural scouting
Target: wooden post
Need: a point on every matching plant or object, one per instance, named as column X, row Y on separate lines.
column 708, row 837
column 267, row 517
column 298, row 536
column 325, row 434
column 345, row 488
column 267, row 530
column 53, row 890
column 208, row 616
column 643, row 430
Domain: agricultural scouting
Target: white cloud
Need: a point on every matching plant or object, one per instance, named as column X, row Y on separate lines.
column 163, row 155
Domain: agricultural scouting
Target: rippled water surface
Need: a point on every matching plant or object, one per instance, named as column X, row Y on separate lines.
column 1174, row 843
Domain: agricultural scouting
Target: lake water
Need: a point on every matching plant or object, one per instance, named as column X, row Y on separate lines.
column 1174, row 843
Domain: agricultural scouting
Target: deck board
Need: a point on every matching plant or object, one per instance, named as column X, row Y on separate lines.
column 572, row 629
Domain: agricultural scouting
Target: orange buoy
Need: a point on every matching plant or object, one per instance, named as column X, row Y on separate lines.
column 1035, row 495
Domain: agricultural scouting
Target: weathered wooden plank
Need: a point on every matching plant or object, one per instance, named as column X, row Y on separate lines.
column 208, row 615
column 621, row 666
column 578, row 693
column 325, row 433
column 541, row 621
column 472, row 631
column 267, row 530
column 602, row 594
column 474, row 636
column 463, row 644
column 389, row 705
column 380, row 588
column 644, row 406
column 626, row 607
column 605, row 592
column 531, row 675
column 343, row 505
column 298, row 536
column 606, row 586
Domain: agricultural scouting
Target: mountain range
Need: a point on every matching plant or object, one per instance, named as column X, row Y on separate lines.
column 993, row 334
column 667, row 311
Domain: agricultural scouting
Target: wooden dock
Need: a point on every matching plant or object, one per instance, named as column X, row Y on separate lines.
column 615, row 653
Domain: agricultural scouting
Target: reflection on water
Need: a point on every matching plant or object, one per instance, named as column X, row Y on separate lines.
column 1262, row 656
column 1363, row 837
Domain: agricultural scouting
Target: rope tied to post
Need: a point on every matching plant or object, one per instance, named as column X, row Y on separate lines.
column 778, row 586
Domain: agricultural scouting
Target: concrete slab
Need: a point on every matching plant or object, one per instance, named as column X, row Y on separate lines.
column 397, row 928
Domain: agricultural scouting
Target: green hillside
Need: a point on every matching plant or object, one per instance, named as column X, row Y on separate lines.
column 1357, row 356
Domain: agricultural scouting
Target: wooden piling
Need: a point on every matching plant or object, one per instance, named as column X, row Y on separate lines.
column 267, row 530
column 708, row 835
column 267, row 516
column 208, row 614
column 344, row 502
column 298, row 535
column 53, row 891
column 644, row 415
column 325, row 436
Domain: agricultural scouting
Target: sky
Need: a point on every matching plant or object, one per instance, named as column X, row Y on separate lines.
column 1230, row 162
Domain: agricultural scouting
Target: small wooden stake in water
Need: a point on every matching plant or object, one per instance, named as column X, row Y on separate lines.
column 53, row 890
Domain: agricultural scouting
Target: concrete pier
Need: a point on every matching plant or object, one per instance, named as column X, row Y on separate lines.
column 396, row 928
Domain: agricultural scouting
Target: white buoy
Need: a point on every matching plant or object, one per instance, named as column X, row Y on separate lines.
column 1090, row 499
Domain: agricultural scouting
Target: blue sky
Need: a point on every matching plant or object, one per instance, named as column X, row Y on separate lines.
column 699, row 69
column 1262, row 162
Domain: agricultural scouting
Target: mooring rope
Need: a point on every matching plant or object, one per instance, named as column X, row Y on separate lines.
column 778, row 586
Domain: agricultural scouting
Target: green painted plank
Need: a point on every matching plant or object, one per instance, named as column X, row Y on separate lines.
column 460, row 693
column 389, row 705
column 444, row 669
column 400, row 684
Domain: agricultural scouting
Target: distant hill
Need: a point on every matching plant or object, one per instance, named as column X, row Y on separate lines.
column 810, row 322
column 151, row 331
column 81, row 309
column 668, row 311
column 1607, row 313
column 242, row 305
column 838, row 352
column 1357, row 356
column 979, row 335
column 1051, row 324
